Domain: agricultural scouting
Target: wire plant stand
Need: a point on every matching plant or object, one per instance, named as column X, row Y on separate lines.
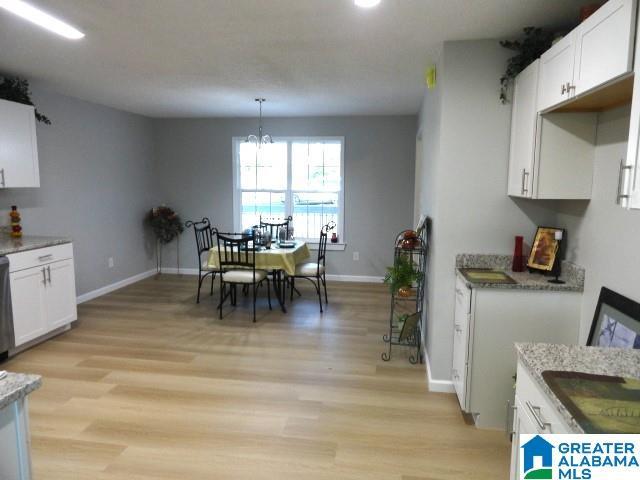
column 405, row 318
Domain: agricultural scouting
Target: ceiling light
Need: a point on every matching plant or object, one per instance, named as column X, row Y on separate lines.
column 366, row 3
column 261, row 138
column 37, row 16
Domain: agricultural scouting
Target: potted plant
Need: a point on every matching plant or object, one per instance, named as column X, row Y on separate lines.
column 401, row 276
column 166, row 226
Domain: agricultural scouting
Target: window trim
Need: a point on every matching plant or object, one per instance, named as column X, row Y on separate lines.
column 237, row 190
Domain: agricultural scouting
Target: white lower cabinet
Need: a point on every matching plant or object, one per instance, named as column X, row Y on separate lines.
column 15, row 454
column 488, row 321
column 533, row 413
column 43, row 291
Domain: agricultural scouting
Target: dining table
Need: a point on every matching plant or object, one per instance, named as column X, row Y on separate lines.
column 275, row 259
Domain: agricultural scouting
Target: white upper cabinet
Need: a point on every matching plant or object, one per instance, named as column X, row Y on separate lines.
column 551, row 155
column 523, row 132
column 556, row 73
column 604, row 45
column 18, row 146
column 594, row 54
column 629, row 174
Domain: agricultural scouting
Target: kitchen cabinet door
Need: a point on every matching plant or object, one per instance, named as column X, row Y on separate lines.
column 556, row 73
column 604, row 45
column 524, row 119
column 522, row 424
column 60, row 294
column 461, row 336
column 18, row 146
column 27, row 301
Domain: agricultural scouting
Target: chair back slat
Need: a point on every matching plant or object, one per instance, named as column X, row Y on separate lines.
column 322, row 244
column 203, row 233
column 274, row 226
column 236, row 250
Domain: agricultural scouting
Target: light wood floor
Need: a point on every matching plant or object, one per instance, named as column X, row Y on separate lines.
column 150, row 385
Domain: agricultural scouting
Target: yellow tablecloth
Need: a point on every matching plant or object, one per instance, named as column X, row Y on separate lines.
column 272, row 259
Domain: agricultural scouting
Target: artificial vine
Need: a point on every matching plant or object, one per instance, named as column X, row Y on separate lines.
column 535, row 42
column 16, row 89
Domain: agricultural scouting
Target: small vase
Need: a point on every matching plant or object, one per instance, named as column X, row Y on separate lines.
column 518, row 257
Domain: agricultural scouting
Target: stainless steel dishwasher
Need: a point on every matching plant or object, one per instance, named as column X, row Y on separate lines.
column 6, row 314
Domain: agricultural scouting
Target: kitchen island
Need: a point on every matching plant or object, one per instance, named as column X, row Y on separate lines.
column 15, row 454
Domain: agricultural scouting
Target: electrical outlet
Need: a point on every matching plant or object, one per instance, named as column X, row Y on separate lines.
column 110, row 262
column 356, row 256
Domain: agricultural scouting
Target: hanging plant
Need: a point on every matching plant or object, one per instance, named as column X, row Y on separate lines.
column 165, row 223
column 16, row 89
column 535, row 42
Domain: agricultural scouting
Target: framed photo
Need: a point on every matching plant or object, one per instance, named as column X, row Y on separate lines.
column 545, row 248
column 616, row 322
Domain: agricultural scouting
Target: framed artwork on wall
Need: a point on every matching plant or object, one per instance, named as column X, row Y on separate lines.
column 616, row 322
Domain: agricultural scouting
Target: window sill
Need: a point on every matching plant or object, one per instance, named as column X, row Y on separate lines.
column 330, row 246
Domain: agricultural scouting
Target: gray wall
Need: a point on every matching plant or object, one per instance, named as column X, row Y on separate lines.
column 96, row 176
column 194, row 162
column 465, row 133
column 603, row 237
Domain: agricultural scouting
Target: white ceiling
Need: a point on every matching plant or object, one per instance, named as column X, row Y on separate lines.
column 195, row 58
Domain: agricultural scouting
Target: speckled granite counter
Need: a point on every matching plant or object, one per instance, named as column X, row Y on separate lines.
column 16, row 386
column 539, row 357
column 572, row 274
column 9, row 244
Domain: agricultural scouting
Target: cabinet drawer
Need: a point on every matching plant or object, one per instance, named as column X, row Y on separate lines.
column 41, row 256
column 537, row 405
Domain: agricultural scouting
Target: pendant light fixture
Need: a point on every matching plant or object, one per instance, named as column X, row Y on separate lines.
column 261, row 138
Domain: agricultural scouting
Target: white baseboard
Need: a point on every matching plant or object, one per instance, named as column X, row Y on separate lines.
column 85, row 297
column 439, row 386
column 333, row 278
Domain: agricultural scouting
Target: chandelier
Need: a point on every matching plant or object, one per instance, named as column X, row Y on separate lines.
column 260, row 139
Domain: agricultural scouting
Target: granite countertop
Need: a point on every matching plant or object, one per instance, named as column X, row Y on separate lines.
column 572, row 274
column 10, row 245
column 539, row 357
column 16, row 386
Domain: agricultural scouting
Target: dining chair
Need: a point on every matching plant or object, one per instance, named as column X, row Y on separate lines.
column 274, row 227
column 315, row 272
column 204, row 243
column 237, row 260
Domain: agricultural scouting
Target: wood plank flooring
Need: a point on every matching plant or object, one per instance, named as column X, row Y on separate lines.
column 149, row 385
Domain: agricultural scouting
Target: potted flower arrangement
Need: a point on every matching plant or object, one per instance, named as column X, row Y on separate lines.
column 166, row 226
column 401, row 277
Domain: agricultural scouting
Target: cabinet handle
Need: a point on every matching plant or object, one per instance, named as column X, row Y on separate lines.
column 621, row 177
column 570, row 87
column 535, row 413
column 49, row 273
column 44, row 276
column 458, row 328
column 454, row 374
column 563, row 89
column 2, row 175
column 508, row 421
column 43, row 258
column 525, row 182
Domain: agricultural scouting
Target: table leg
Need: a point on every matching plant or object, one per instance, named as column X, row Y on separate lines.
column 278, row 287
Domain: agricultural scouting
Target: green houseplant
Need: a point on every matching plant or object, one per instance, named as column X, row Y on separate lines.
column 535, row 42
column 16, row 89
column 401, row 276
column 166, row 226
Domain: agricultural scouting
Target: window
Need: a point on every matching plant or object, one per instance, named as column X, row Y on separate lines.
column 301, row 177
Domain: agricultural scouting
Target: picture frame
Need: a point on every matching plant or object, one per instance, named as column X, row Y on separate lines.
column 616, row 322
column 545, row 248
